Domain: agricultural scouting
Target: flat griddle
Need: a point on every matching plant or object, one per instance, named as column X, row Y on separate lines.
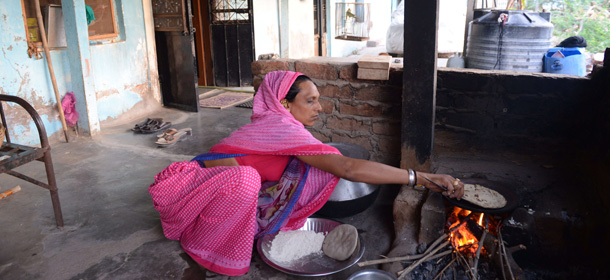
column 512, row 200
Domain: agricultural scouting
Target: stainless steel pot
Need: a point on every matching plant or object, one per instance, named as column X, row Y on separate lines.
column 350, row 198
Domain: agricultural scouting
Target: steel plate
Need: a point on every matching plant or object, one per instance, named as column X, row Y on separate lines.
column 313, row 264
column 372, row 274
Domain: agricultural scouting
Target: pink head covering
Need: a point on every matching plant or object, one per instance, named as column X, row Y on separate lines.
column 274, row 88
column 273, row 129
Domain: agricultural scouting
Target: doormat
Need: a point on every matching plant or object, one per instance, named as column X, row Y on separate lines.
column 225, row 100
column 247, row 104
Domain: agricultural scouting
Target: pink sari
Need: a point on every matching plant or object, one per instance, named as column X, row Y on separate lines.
column 216, row 213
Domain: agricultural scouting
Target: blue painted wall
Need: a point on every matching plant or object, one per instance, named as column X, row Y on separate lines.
column 119, row 68
column 28, row 78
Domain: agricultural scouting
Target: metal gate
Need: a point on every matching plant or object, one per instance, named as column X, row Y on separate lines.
column 176, row 53
column 232, row 42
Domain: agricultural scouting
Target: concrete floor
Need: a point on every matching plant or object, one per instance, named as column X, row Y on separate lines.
column 112, row 230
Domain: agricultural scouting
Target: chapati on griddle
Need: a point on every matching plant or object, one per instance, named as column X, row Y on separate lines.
column 483, row 196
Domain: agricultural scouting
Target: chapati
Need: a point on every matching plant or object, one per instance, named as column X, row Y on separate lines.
column 483, row 196
column 340, row 243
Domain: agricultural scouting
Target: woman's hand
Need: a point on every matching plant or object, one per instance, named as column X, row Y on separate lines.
column 455, row 188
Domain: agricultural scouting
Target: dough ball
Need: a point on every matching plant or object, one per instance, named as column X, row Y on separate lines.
column 340, row 243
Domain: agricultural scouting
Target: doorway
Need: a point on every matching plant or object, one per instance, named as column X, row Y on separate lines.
column 176, row 54
column 232, row 41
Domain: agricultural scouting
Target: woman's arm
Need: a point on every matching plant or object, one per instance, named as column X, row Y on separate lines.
column 358, row 170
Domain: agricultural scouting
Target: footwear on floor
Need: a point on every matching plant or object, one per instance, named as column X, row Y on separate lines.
column 170, row 139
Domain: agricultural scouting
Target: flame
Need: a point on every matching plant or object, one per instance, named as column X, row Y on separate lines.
column 462, row 239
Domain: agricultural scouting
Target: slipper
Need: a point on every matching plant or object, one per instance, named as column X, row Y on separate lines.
column 173, row 138
column 155, row 126
column 146, row 122
column 169, row 131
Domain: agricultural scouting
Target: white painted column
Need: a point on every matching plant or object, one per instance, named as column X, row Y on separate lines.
column 151, row 50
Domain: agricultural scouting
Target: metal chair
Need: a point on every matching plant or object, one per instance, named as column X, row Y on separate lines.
column 20, row 154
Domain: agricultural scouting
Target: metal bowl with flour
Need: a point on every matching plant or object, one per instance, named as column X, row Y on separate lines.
column 350, row 198
column 313, row 264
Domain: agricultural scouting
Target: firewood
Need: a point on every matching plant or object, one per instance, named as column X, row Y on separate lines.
column 405, row 258
column 402, row 274
column 447, row 266
column 478, row 253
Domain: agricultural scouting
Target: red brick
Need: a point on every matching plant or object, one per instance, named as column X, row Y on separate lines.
column 389, row 145
column 319, row 124
column 262, row 67
column 386, row 128
column 320, row 136
column 331, row 91
column 365, row 110
column 379, row 93
column 328, row 107
column 346, row 124
column 349, row 72
column 316, row 70
column 364, row 142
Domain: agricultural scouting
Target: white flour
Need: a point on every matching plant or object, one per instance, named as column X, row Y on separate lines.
column 291, row 245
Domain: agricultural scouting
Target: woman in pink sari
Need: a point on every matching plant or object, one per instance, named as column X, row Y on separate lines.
column 269, row 175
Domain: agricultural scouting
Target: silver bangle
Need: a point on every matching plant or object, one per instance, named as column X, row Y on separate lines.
column 411, row 177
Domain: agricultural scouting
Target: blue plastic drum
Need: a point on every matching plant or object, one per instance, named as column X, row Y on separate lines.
column 569, row 61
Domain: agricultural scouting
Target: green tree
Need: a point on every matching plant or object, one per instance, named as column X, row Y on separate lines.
column 587, row 18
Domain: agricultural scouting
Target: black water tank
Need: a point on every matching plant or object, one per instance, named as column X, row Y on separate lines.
column 519, row 44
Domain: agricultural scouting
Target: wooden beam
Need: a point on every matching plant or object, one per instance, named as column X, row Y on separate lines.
column 419, row 83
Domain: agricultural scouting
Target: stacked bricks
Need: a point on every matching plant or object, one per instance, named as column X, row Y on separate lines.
column 362, row 112
column 520, row 107
column 494, row 107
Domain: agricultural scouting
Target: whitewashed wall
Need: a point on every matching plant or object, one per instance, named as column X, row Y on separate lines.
column 296, row 25
column 289, row 35
column 266, row 31
column 300, row 30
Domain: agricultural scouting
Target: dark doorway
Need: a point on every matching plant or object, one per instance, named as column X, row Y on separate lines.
column 203, row 42
column 319, row 28
column 176, row 54
column 232, row 42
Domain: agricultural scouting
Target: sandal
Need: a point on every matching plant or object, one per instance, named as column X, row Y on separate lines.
column 170, row 139
column 155, row 126
column 169, row 131
column 148, row 121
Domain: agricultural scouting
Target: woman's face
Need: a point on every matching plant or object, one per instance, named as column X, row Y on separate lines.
column 306, row 106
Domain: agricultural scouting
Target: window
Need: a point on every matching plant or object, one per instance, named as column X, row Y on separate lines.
column 104, row 26
column 225, row 11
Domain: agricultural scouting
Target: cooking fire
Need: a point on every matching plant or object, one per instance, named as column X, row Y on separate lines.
column 471, row 248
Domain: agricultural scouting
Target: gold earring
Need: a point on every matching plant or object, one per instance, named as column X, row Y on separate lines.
column 284, row 103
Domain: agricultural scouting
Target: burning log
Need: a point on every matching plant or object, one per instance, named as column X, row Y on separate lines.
column 415, row 257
